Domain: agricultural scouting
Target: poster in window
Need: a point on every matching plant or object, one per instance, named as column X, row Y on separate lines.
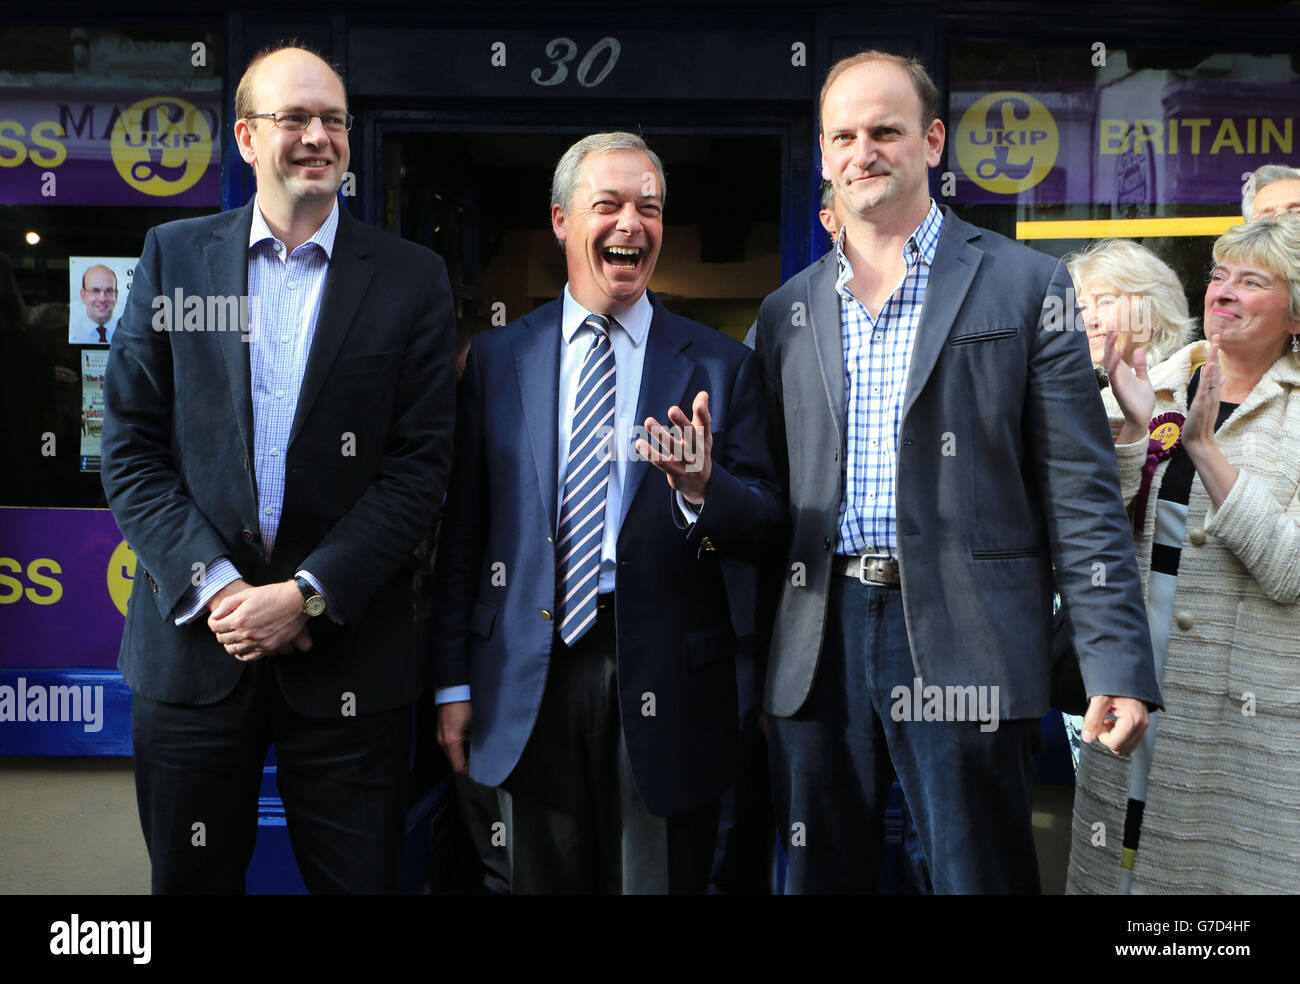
column 97, row 291
column 93, row 363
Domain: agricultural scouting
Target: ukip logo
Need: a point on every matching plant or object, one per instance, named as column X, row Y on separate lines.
column 1007, row 142
column 121, row 575
column 161, row 146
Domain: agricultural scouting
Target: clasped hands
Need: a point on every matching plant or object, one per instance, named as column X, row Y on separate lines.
column 251, row 623
column 685, row 453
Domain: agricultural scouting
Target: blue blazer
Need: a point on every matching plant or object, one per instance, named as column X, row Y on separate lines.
column 495, row 582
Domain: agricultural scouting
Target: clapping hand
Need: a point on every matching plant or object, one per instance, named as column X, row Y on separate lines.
column 1132, row 389
column 687, row 459
column 1203, row 413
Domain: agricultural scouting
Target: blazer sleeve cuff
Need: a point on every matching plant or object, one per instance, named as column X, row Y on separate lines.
column 686, row 514
column 725, row 498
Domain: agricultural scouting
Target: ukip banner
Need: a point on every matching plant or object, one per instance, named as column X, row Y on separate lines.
column 1146, row 140
column 109, row 148
column 65, row 576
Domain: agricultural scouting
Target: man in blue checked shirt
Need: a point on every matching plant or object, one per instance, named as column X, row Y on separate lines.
column 274, row 480
column 945, row 445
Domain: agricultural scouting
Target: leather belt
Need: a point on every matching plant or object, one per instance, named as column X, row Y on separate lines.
column 870, row 568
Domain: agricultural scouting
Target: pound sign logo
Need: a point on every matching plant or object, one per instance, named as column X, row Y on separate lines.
column 1007, row 142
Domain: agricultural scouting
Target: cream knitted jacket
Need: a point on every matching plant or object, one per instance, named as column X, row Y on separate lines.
column 1223, row 800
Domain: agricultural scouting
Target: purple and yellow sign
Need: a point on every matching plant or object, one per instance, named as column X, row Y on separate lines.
column 107, row 148
column 65, row 576
column 1135, row 142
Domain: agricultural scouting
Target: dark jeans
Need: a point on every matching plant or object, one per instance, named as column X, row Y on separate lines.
column 198, row 770
column 968, row 790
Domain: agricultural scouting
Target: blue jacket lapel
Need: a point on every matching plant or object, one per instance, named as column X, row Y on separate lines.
column 664, row 378
column 537, row 367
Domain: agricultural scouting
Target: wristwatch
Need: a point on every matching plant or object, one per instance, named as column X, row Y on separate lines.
column 313, row 603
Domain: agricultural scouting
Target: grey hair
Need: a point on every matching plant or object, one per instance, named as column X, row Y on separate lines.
column 569, row 169
column 1263, row 177
column 1132, row 268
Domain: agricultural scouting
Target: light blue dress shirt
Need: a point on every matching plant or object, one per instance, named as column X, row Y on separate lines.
column 628, row 341
column 284, row 294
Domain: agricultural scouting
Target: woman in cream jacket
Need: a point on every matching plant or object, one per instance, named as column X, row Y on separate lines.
column 1212, row 485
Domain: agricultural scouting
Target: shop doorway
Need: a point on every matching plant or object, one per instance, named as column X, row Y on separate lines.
column 481, row 200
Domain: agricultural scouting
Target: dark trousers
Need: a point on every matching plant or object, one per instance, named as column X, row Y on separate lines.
column 742, row 860
column 576, row 823
column 480, row 812
column 198, row 770
column 968, row 791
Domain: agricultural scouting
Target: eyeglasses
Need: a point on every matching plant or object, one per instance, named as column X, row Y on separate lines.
column 300, row 121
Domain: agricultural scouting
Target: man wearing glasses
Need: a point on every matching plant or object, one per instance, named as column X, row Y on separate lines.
column 99, row 295
column 274, row 480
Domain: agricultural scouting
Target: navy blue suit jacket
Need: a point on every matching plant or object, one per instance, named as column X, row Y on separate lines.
column 495, row 579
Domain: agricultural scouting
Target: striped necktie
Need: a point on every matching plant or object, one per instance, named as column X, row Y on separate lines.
column 582, row 510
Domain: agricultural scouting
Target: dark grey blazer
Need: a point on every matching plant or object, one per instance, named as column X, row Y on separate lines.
column 178, row 453
column 997, row 380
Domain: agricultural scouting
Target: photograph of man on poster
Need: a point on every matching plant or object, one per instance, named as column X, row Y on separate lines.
column 94, row 287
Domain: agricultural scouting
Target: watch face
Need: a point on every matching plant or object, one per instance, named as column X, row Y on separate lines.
column 314, row 606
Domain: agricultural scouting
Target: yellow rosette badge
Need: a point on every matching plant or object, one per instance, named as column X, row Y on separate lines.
column 161, row 146
column 1167, row 434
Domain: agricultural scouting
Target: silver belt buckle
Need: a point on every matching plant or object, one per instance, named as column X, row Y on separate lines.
column 862, row 566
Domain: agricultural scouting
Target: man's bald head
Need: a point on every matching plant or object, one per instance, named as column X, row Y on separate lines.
column 245, row 92
column 98, row 271
column 99, row 293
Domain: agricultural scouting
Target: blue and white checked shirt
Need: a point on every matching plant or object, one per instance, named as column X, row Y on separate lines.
column 877, row 354
column 284, row 294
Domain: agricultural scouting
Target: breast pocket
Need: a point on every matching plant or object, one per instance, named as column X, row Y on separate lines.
column 361, row 391
column 365, row 365
column 986, row 333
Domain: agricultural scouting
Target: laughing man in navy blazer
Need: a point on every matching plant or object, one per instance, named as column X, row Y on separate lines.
column 581, row 609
